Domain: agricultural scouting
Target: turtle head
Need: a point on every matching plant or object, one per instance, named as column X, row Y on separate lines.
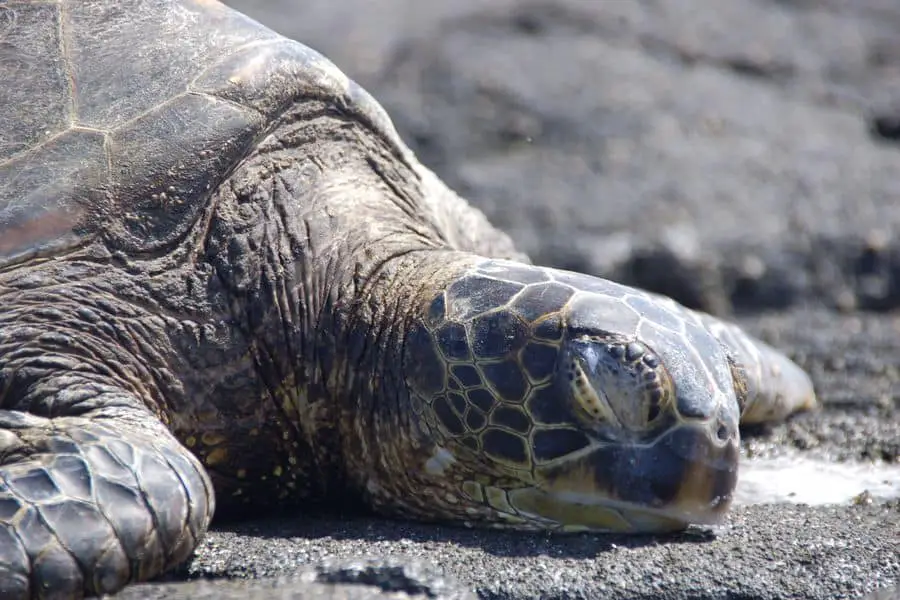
column 634, row 446
column 570, row 402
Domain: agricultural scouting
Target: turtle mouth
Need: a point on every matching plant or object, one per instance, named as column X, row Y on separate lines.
column 573, row 513
column 684, row 477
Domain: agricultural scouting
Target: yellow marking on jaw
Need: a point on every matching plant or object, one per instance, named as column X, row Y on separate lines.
column 277, row 471
column 190, row 441
column 572, row 516
column 496, row 497
column 512, row 518
column 473, row 490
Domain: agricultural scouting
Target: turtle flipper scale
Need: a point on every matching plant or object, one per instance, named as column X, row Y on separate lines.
column 88, row 505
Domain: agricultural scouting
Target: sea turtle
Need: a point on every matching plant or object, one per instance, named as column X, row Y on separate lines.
column 225, row 280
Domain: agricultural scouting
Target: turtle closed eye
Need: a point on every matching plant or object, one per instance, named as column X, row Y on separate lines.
column 618, row 383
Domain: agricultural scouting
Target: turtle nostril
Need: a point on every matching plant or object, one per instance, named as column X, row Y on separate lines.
column 722, row 432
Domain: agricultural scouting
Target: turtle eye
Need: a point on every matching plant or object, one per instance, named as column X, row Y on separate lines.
column 618, row 383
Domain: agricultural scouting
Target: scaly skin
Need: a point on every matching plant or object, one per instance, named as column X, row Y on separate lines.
column 94, row 489
column 242, row 347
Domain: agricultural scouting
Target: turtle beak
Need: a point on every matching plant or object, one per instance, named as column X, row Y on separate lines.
column 694, row 472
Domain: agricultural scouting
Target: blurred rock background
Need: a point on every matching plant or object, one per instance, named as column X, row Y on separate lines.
column 738, row 156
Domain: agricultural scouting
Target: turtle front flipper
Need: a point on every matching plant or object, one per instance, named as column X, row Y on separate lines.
column 769, row 386
column 90, row 503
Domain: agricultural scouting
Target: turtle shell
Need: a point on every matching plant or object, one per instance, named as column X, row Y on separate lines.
column 118, row 118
